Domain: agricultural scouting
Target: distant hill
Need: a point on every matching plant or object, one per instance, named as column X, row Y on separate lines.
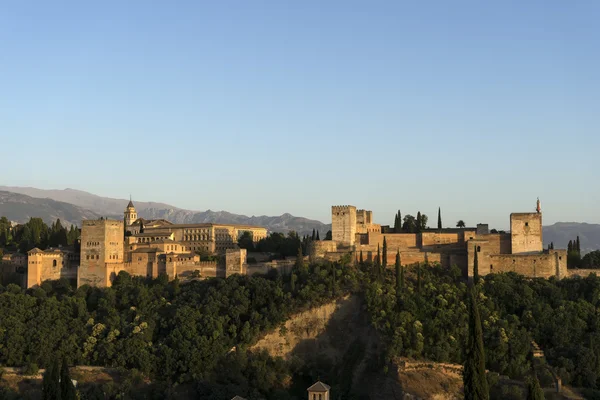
column 18, row 207
column 561, row 232
column 54, row 200
column 95, row 203
column 74, row 205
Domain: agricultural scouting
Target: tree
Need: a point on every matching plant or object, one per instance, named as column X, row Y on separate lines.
column 474, row 378
column 578, row 245
column 328, row 235
column 419, row 278
column 398, row 222
column 318, row 236
column 475, row 267
column 378, row 262
column 534, row 390
column 460, row 224
column 440, row 218
column 591, row 260
column 570, row 246
column 67, row 390
column 399, row 274
column 300, row 259
column 313, row 237
column 50, row 382
column 246, row 241
column 410, row 224
column 384, row 254
column 419, row 222
column 424, row 219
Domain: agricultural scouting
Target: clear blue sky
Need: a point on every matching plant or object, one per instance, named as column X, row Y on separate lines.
column 265, row 107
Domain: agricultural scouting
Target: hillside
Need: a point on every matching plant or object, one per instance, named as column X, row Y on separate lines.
column 95, row 203
column 20, row 208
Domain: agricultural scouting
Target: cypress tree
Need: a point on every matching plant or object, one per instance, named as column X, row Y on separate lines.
column 313, row 234
column 534, row 390
column 384, row 254
column 50, row 382
column 378, row 262
column 475, row 267
column 474, row 378
column 399, row 222
column 318, row 236
column 419, row 278
column 300, row 259
column 399, row 274
column 440, row 218
column 419, row 221
column 570, row 247
column 578, row 245
column 293, row 279
column 67, row 390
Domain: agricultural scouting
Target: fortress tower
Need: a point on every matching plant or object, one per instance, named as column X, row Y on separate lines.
column 101, row 245
column 130, row 214
column 343, row 224
column 526, row 231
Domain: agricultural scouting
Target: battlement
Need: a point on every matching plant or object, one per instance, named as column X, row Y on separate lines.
column 342, row 208
column 102, row 222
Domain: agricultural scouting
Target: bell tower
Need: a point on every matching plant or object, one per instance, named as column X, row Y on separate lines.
column 130, row 214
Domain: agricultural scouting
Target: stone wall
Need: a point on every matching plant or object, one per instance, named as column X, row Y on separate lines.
column 322, row 247
column 583, row 273
column 284, row 267
column 541, row 265
column 235, row 261
column 526, row 232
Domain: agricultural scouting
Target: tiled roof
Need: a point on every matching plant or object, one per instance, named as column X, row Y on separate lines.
column 319, row 387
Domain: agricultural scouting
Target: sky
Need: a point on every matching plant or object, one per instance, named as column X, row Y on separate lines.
column 266, row 107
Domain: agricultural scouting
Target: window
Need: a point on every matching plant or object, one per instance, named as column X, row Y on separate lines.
column 526, row 223
column 54, row 263
column 478, row 249
column 491, row 267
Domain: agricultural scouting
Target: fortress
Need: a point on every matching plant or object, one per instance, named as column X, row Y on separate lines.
column 143, row 248
column 153, row 247
column 521, row 250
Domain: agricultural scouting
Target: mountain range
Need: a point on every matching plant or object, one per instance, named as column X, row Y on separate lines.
column 72, row 206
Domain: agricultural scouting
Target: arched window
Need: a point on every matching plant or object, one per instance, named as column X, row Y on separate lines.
column 54, row 263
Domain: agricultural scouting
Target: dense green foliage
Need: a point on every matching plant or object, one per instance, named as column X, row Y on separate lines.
column 561, row 316
column 591, row 260
column 171, row 332
column 35, row 233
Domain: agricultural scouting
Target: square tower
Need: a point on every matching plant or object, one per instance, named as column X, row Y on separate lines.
column 526, row 233
column 343, row 224
column 101, row 244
